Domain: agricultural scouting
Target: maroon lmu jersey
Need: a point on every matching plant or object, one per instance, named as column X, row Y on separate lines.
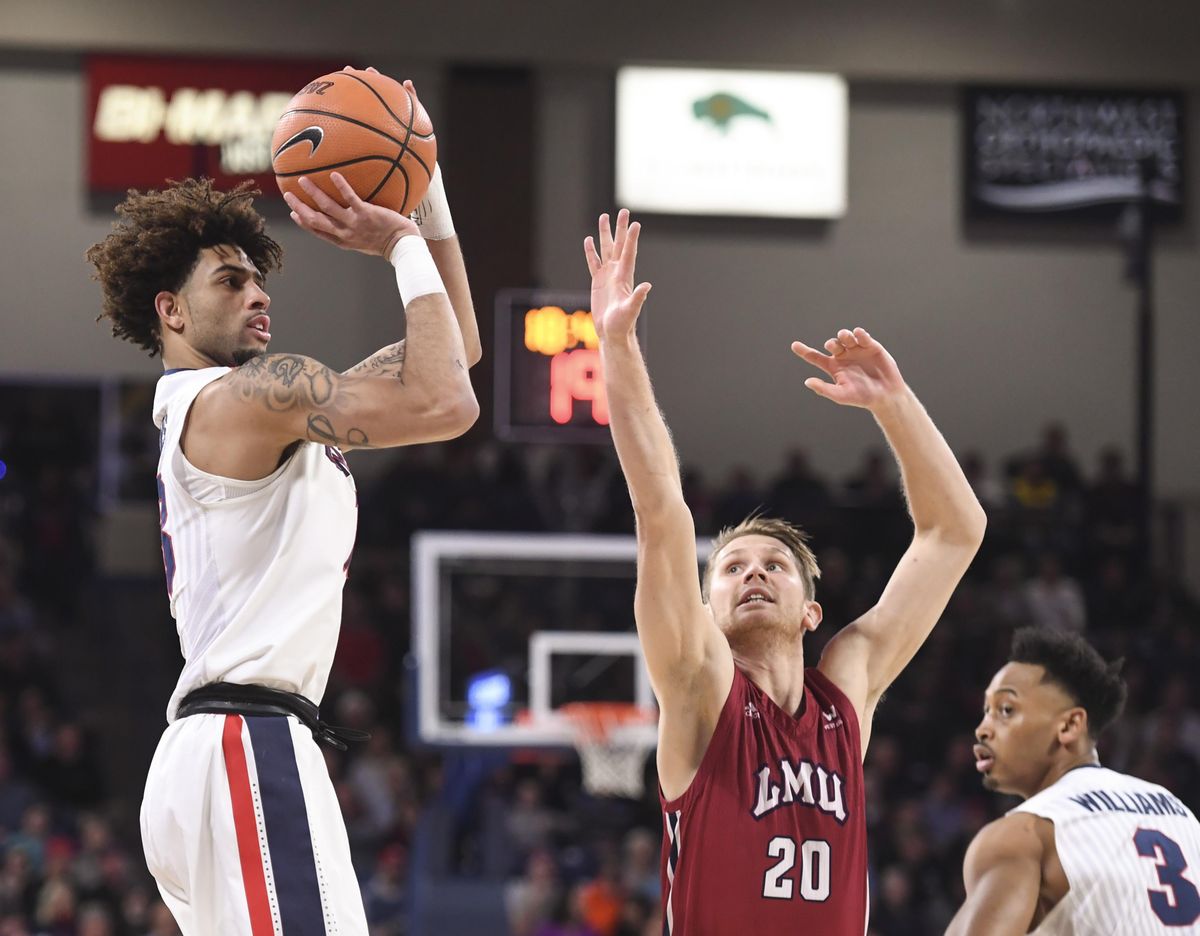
column 771, row 836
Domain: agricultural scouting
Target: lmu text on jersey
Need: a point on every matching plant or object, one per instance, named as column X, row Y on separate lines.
column 792, row 785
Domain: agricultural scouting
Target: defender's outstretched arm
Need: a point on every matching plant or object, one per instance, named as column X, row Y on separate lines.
column 865, row 657
column 690, row 664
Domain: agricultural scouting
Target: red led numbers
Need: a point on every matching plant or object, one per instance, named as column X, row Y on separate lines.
column 576, row 375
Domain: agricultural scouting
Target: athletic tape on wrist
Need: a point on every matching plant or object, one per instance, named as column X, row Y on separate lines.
column 433, row 214
column 416, row 273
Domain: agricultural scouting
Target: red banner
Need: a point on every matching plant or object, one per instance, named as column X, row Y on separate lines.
column 153, row 118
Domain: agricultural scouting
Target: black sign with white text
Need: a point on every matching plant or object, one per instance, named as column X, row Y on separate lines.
column 1071, row 151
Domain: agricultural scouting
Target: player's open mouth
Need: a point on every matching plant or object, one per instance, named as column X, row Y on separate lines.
column 984, row 759
column 260, row 325
column 755, row 596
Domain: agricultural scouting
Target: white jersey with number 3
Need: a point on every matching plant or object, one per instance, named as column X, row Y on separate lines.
column 255, row 569
column 1131, row 852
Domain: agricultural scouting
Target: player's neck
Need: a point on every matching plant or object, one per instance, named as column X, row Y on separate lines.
column 181, row 356
column 780, row 674
column 1060, row 769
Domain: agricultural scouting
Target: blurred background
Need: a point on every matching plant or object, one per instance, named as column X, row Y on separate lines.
column 1052, row 347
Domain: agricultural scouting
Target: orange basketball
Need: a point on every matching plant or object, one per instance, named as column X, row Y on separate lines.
column 368, row 127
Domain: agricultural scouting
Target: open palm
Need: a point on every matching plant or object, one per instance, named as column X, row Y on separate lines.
column 616, row 302
column 863, row 372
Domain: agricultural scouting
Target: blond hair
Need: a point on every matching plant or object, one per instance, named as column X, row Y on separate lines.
column 790, row 535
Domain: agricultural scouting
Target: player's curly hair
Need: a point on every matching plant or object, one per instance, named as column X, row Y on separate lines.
column 157, row 242
column 790, row 535
column 1074, row 665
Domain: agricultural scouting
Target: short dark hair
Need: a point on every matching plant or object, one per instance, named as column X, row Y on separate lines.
column 157, row 242
column 790, row 535
column 1074, row 665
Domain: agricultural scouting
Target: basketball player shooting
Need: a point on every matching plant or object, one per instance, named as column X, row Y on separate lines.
column 1090, row 851
column 258, row 510
column 759, row 758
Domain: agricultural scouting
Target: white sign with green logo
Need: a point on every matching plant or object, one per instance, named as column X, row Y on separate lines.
column 731, row 142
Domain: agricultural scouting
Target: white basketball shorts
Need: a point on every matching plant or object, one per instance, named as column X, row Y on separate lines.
column 243, row 834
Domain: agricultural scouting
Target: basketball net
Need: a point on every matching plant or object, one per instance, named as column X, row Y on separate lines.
column 613, row 761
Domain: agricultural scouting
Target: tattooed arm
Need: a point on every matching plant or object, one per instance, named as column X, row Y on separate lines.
column 386, row 362
column 291, row 397
column 389, row 361
column 246, row 423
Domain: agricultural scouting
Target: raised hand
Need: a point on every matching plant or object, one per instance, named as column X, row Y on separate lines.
column 353, row 224
column 616, row 302
column 863, row 372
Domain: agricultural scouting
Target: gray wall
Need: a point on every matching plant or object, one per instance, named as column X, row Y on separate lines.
column 918, row 39
column 998, row 331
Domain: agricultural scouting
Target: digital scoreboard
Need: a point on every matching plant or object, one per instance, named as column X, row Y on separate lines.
column 549, row 382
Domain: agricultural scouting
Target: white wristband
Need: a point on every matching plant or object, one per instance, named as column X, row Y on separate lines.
column 433, row 214
column 416, row 273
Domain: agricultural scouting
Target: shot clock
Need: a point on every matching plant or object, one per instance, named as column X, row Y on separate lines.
column 549, row 383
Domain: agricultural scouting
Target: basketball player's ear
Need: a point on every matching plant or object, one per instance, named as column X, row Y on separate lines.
column 170, row 311
column 1073, row 727
column 813, row 614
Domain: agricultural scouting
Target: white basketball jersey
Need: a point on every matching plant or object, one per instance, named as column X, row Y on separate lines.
column 1130, row 850
column 255, row 569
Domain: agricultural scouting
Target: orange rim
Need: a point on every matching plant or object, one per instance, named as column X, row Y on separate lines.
column 594, row 720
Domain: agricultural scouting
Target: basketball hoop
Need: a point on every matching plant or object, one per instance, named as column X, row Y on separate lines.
column 612, row 740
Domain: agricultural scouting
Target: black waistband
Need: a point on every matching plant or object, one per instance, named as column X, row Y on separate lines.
column 223, row 698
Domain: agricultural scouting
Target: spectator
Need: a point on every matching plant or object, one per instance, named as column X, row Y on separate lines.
column 56, row 908
column 95, row 841
column 135, row 910
column 943, row 811
column 1176, row 711
column 161, row 921
column 601, row 898
column 989, row 490
column 699, row 499
column 1113, row 509
column 1005, row 594
column 530, row 823
column 16, row 795
column 16, row 612
column 385, row 895
column 369, row 776
column 18, row 883
column 361, row 652
column 70, row 773
column 32, row 836
column 1115, row 600
column 567, row 917
column 530, row 900
column 875, row 522
column 1055, row 600
column 801, row 496
column 1057, row 461
column 640, row 876
column 737, row 499
column 1038, row 506
column 896, row 911
column 636, row 914
column 95, row 920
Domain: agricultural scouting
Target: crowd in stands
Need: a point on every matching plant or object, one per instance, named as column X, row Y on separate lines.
column 1064, row 549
